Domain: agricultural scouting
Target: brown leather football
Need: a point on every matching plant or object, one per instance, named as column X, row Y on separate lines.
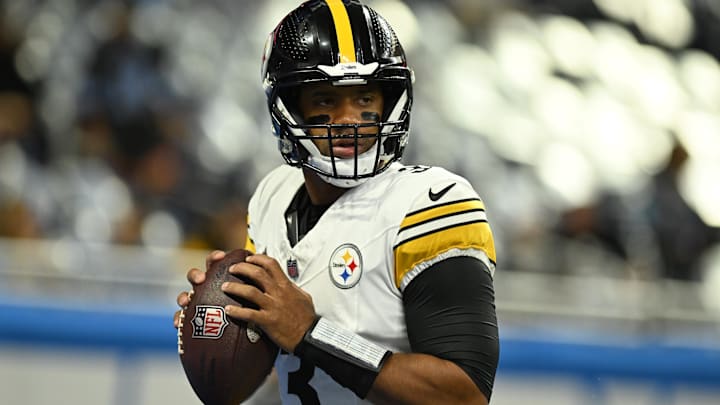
column 225, row 360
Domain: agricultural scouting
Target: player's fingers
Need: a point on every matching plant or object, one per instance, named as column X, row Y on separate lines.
column 214, row 256
column 195, row 276
column 247, row 292
column 258, row 275
column 268, row 263
column 176, row 319
column 183, row 299
column 243, row 313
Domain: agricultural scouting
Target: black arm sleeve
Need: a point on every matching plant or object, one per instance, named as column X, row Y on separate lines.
column 450, row 314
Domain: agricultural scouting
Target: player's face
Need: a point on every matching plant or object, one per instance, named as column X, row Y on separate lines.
column 323, row 103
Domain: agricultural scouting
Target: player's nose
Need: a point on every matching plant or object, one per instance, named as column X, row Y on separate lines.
column 348, row 112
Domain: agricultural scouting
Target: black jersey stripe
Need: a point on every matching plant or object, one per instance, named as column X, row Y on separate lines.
column 440, row 205
column 451, row 214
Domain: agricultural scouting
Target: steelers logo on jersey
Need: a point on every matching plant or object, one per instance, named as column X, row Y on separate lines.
column 346, row 266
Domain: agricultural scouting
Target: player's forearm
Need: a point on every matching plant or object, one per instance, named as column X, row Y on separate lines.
column 412, row 378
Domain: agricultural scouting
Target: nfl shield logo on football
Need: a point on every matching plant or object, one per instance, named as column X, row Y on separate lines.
column 209, row 322
column 292, row 269
column 346, row 266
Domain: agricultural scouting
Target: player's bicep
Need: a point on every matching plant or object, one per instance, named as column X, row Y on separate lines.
column 450, row 314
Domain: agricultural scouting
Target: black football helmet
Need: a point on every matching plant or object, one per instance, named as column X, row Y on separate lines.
column 344, row 43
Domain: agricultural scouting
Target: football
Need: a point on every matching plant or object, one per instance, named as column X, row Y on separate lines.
column 225, row 360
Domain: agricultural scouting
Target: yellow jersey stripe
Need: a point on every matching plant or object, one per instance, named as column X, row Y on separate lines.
column 249, row 243
column 423, row 248
column 440, row 211
column 346, row 44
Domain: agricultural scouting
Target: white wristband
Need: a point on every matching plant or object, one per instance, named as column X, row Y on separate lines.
column 350, row 346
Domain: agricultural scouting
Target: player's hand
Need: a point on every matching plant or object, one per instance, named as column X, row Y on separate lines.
column 195, row 276
column 285, row 312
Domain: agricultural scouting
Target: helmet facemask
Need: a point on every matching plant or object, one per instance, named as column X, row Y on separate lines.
column 299, row 139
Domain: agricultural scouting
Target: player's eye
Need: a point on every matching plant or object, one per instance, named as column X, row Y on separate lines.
column 324, row 102
column 366, row 99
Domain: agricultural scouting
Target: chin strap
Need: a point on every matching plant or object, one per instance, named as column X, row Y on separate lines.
column 343, row 183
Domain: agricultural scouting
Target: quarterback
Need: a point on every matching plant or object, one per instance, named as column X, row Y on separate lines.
column 373, row 277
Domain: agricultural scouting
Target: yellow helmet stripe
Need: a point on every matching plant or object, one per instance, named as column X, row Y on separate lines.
column 346, row 45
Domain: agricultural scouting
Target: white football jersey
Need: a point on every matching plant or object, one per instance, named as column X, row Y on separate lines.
column 362, row 253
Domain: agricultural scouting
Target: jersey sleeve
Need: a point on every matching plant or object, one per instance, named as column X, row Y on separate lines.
column 450, row 223
column 263, row 207
column 249, row 242
column 253, row 215
column 255, row 211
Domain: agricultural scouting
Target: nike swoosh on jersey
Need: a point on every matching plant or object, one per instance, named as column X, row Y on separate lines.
column 439, row 194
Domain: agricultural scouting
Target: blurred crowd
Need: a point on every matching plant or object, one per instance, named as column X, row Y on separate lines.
column 142, row 123
column 115, row 167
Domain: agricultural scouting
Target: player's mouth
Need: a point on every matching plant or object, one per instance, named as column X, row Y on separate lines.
column 345, row 148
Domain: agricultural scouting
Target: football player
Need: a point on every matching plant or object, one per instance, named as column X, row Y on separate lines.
column 374, row 278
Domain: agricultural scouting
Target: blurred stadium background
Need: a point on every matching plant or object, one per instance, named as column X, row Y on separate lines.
column 133, row 132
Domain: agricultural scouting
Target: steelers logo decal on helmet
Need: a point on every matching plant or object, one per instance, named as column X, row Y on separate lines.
column 346, row 266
